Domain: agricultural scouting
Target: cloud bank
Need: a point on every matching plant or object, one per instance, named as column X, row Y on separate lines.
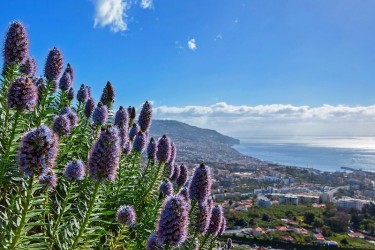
column 276, row 119
column 113, row 13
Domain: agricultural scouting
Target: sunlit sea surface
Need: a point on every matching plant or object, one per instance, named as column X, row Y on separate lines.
column 323, row 153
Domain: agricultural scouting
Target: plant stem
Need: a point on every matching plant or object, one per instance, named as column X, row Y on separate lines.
column 5, row 160
column 62, row 211
column 204, row 241
column 153, row 180
column 87, row 215
column 25, row 210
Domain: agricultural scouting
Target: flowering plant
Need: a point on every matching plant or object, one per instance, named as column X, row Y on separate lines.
column 76, row 175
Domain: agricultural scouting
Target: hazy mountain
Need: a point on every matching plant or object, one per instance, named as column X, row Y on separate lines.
column 199, row 145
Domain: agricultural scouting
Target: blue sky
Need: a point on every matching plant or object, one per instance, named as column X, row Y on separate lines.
column 243, row 55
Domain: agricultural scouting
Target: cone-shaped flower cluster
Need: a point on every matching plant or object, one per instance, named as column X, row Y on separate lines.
column 200, row 184
column 216, row 220
column 22, row 94
column 54, row 64
column 172, row 157
column 229, row 243
column 71, row 94
column 145, row 117
column 29, row 67
column 176, row 172
column 108, row 95
column 61, row 125
column 203, row 216
column 140, row 142
column 126, row 215
column 173, row 222
column 122, row 118
column 37, row 151
column 83, row 94
column 89, row 107
column 75, row 170
column 151, row 150
column 69, row 69
column 48, row 179
column 65, row 81
column 163, row 152
column 70, row 114
column 133, row 131
column 16, row 46
column 182, row 178
column 105, row 155
column 152, row 243
column 100, row 114
column 166, row 188
column 223, row 226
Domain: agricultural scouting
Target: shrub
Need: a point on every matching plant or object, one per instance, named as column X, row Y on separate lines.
column 71, row 176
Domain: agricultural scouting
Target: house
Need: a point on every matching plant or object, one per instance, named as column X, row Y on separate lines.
column 356, row 235
column 263, row 201
column 281, row 228
column 319, row 238
column 256, row 231
column 287, row 238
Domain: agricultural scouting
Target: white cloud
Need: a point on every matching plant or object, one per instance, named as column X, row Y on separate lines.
column 111, row 13
column 192, row 45
column 218, row 37
column 276, row 119
column 146, row 4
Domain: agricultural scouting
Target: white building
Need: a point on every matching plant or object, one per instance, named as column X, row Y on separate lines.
column 349, row 203
column 263, row 201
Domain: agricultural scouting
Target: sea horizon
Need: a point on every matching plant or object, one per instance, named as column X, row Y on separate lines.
column 325, row 153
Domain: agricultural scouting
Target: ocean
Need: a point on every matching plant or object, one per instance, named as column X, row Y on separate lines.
column 323, row 153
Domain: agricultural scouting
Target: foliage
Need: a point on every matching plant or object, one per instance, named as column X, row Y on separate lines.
column 69, row 199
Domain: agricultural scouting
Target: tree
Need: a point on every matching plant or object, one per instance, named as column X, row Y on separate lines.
column 318, row 222
column 252, row 222
column 339, row 223
column 344, row 241
column 308, row 218
column 265, row 217
column 326, row 231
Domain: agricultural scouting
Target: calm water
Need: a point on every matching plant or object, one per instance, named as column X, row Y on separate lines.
column 323, row 153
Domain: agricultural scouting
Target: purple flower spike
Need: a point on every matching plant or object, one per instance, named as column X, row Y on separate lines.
column 164, row 149
column 37, row 151
column 48, row 179
column 169, row 170
column 41, row 86
column 200, row 184
column 70, row 71
column 122, row 118
column 83, row 94
column 126, row 215
column 54, row 64
column 105, row 156
column 128, row 146
column 108, row 95
column 29, row 67
column 145, row 117
column 65, row 82
column 89, row 107
column 176, row 172
column 173, row 153
column 216, row 220
column 229, row 243
column 173, row 222
column 71, row 94
column 153, row 243
column 140, row 142
column 75, row 170
column 202, row 217
column 166, row 188
column 70, row 114
column 133, row 131
column 223, row 226
column 123, row 134
column 151, row 150
column 23, row 94
column 61, row 125
column 132, row 113
column 100, row 114
column 182, row 178
column 16, row 46
column 184, row 194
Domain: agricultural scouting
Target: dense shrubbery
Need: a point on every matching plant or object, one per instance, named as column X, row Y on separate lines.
column 72, row 174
